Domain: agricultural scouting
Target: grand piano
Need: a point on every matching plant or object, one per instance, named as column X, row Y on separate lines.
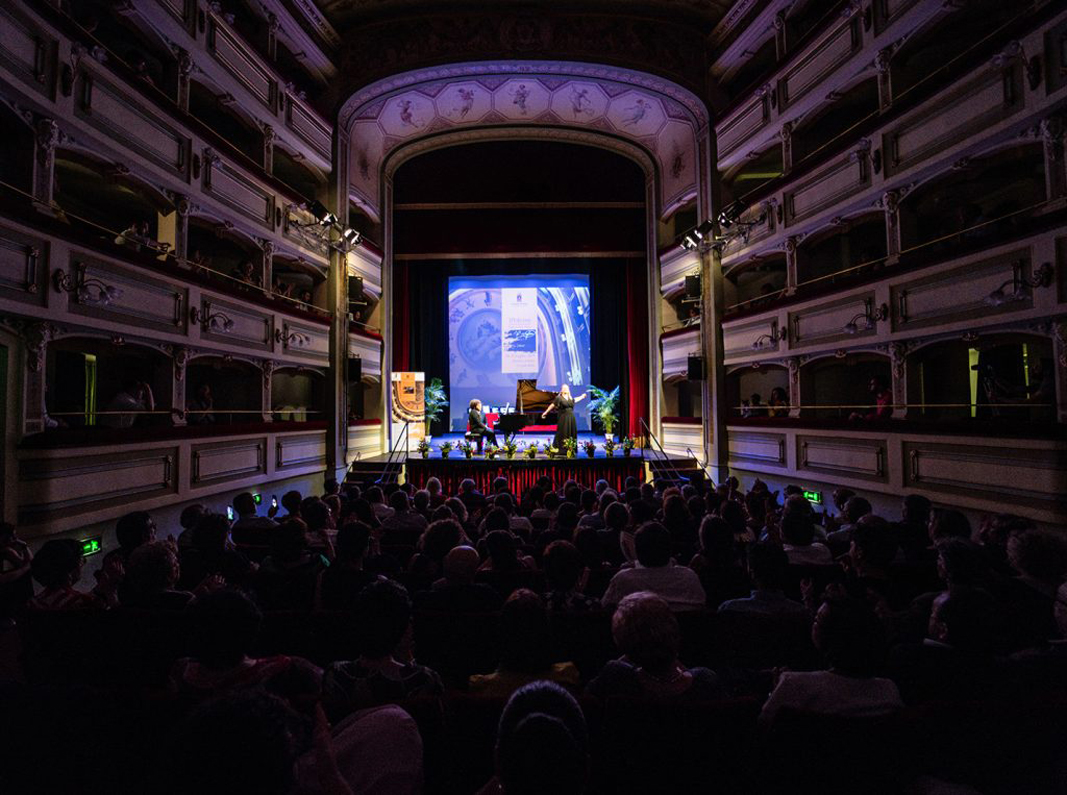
column 531, row 402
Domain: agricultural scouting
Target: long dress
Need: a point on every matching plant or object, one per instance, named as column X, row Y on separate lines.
column 566, row 424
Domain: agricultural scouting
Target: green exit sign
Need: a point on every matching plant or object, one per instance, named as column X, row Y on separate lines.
column 90, row 546
column 813, row 496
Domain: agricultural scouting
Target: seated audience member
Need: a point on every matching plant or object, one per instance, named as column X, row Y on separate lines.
column 457, row 591
column 1045, row 664
column 152, row 577
column 469, row 495
column 778, row 403
column 404, row 526
column 1039, row 558
column 646, row 632
column 340, row 584
column 589, row 512
column 616, row 524
column 733, row 513
column 251, row 533
column 948, row 523
column 655, row 572
column 850, row 637
column 716, row 563
column 319, row 520
column 587, row 542
column 57, row 567
column 200, row 410
column 287, row 578
column 291, row 502
column 16, row 582
column 768, row 566
column 503, row 554
column 911, row 530
column 873, row 548
column 189, row 518
column 679, row 523
column 956, row 661
column 798, row 541
column 131, row 531
column 525, row 649
column 376, row 499
column 124, row 409
column 840, row 497
column 385, row 671
column 519, row 525
column 437, row 498
column 563, row 580
column 212, row 554
column 441, row 537
column 420, row 503
column 993, row 535
column 225, row 625
column 540, row 722
column 855, row 509
column 883, row 401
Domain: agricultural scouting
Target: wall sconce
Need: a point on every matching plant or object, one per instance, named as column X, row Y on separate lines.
column 1042, row 278
column 215, row 321
column 870, row 316
column 292, row 339
column 766, row 340
column 86, row 290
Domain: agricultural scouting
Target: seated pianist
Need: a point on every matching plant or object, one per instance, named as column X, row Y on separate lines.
column 478, row 427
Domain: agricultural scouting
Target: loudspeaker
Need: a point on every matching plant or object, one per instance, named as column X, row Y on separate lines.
column 695, row 369
column 355, row 289
column 355, row 369
column 692, row 286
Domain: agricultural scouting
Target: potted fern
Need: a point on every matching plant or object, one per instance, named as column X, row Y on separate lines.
column 530, row 451
column 510, row 448
column 435, row 399
column 590, row 447
column 467, row 449
column 446, row 448
column 424, row 448
column 603, row 407
column 571, row 446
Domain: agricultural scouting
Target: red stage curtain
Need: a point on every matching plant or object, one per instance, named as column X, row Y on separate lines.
column 401, row 272
column 523, row 474
column 637, row 343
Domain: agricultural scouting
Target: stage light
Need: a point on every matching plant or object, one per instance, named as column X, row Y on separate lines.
column 322, row 215
column 351, row 237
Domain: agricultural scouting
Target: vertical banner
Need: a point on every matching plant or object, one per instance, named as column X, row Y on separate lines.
column 518, row 330
column 408, row 407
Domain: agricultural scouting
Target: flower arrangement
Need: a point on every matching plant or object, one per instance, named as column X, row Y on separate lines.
column 551, row 451
column 510, row 448
column 628, row 444
column 590, row 447
column 530, row 451
column 491, row 451
column 466, row 448
column 446, row 448
column 609, row 447
column 424, row 448
column 571, row 446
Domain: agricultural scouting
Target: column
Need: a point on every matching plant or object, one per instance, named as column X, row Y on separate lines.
column 711, row 282
column 266, row 265
column 44, row 164
column 268, row 148
column 898, row 357
column 885, row 74
column 185, row 71
column 182, row 209
column 791, row 277
column 272, row 36
column 178, row 383
column 781, row 42
column 36, row 336
column 1051, row 132
column 1059, row 352
column 786, row 134
column 336, row 303
column 793, row 363
column 267, row 366
column 891, row 205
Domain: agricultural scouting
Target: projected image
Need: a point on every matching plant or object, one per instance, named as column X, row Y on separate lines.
column 503, row 328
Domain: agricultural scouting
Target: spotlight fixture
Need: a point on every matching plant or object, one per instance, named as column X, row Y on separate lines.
column 351, row 237
column 704, row 233
column 322, row 215
column 1041, row 278
column 869, row 316
column 730, row 215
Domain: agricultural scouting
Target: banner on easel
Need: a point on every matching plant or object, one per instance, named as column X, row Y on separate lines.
column 408, row 407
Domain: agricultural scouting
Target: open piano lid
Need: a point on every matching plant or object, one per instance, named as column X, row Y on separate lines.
column 529, row 398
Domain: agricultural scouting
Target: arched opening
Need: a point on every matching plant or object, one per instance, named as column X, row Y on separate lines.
column 298, row 280
column 754, row 282
column 752, row 174
column 838, row 388
column 16, row 155
column 756, row 68
column 810, row 139
column 675, row 225
column 147, row 56
column 1000, row 377
column 993, row 198
column 298, row 395
column 838, row 251
column 758, row 391
column 300, row 177
column 216, row 112
column 95, row 383
column 222, row 391
column 221, row 254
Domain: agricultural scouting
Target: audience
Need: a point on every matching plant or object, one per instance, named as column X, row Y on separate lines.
column 656, row 572
column 768, row 566
column 457, row 591
column 339, row 585
column 564, row 575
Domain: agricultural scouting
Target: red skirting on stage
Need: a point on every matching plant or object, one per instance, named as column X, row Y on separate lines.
column 523, row 473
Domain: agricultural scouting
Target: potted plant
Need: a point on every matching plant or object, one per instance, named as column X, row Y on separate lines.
column 435, row 399
column 590, row 447
column 571, row 446
column 602, row 408
column 424, row 448
column 628, row 445
column 609, row 447
column 446, row 448
column 491, row 451
column 530, row 451
column 510, row 448
column 551, row 451
column 467, row 449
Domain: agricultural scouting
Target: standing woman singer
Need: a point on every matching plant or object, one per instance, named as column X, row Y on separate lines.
column 566, row 424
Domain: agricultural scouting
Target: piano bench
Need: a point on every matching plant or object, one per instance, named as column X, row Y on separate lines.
column 474, row 435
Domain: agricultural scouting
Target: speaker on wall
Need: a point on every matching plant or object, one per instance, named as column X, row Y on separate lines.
column 695, row 368
column 692, row 286
column 355, row 369
column 355, row 290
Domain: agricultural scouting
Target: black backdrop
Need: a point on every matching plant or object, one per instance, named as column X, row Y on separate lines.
column 421, row 308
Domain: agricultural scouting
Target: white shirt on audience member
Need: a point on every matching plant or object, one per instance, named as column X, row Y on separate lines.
column 679, row 585
column 829, row 693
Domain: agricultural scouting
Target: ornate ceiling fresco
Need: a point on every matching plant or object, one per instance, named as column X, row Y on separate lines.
column 662, row 118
